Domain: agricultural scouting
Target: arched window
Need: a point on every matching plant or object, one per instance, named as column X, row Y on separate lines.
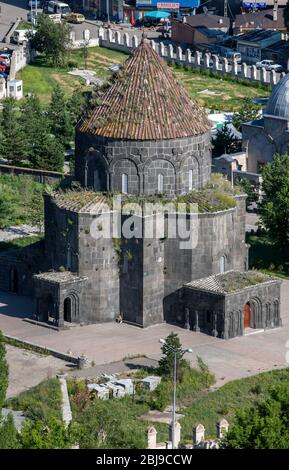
column 190, row 180
column 222, row 264
column 68, row 258
column 160, row 183
column 13, row 281
column 124, row 183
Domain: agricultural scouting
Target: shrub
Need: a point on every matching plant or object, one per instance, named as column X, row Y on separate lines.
column 40, row 402
column 162, row 395
column 3, row 371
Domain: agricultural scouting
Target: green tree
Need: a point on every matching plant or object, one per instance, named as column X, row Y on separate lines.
column 36, row 209
column 49, row 154
column 264, row 426
column 111, row 427
column 48, row 435
column 34, row 123
column 166, row 363
column 59, row 117
column 225, row 142
column 13, row 144
column 274, row 207
column 3, row 371
column 251, row 189
column 9, row 438
column 52, row 40
column 248, row 112
column 77, row 105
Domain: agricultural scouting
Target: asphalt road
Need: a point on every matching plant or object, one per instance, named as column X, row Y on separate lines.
column 10, row 10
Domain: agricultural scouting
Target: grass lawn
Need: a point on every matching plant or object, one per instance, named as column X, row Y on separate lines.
column 120, row 418
column 265, row 256
column 228, row 93
column 41, row 402
column 21, row 197
column 40, row 79
column 223, row 402
column 19, row 242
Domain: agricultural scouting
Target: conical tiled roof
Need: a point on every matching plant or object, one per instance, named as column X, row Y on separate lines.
column 146, row 103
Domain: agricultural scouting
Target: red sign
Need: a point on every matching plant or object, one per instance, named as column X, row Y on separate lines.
column 168, row 6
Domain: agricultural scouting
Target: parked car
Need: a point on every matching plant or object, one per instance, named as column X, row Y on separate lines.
column 76, row 18
column 269, row 65
column 232, row 55
column 5, row 61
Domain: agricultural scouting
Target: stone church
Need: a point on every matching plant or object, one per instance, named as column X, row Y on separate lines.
column 265, row 137
column 146, row 140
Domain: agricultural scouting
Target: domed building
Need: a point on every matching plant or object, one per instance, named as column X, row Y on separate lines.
column 146, row 141
column 147, row 136
column 265, row 137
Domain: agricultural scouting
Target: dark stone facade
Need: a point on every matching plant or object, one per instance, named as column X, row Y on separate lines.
column 101, row 162
column 222, row 315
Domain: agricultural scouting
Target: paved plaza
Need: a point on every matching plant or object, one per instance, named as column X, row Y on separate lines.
column 111, row 342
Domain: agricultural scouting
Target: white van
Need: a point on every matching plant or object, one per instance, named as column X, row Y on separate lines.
column 19, row 36
column 58, row 8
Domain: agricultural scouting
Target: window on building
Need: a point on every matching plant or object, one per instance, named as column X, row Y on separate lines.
column 124, row 183
column 160, row 183
column 222, row 264
column 190, row 180
column 69, row 258
column 125, row 264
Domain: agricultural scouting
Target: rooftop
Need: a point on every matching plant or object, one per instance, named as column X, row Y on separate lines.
column 207, row 20
column 260, row 19
column 59, row 277
column 258, row 35
column 230, row 281
column 81, row 200
column 217, row 195
column 146, row 102
column 278, row 104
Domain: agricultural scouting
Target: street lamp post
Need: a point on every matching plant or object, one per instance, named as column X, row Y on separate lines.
column 175, row 351
column 107, row 10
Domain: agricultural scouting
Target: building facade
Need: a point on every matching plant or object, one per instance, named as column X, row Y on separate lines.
column 145, row 142
column 265, row 137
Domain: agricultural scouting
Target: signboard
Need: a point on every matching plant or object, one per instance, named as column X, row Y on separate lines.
column 254, row 5
column 168, row 6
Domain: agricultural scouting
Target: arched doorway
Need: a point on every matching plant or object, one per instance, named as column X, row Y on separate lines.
column 67, row 309
column 13, row 280
column 247, row 315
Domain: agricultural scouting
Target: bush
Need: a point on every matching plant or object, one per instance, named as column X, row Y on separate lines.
column 9, row 438
column 41, row 402
column 3, row 371
column 112, row 424
column 162, row 395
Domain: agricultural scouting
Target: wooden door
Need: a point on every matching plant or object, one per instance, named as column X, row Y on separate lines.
column 247, row 316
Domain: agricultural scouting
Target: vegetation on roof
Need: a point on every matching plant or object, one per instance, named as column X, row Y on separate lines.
column 77, row 199
column 233, row 281
column 217, row 195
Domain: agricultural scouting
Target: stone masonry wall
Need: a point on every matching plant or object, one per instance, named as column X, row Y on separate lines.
column 142, row 162
column 219, row 235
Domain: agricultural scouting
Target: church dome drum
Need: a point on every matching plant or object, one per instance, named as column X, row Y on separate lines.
column 146, row 136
